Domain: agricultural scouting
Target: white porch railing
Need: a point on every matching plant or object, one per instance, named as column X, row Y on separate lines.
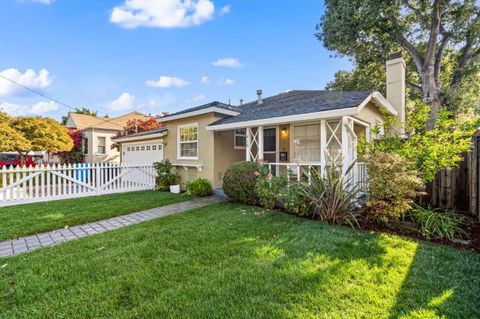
column 23, row 185
column 359, row 171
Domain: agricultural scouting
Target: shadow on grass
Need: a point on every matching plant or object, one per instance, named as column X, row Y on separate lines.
column 439, row 284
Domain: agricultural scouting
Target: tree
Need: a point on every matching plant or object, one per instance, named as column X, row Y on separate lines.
column 430, row 32
column 137, row 126
column 76, row 154
column 10, row 139
column 83, row 110
column 42, row 134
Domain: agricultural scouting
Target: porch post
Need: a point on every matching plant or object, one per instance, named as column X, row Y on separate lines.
column 260, row 142
column 323, row 143
column 345, row 146
column 249, row 144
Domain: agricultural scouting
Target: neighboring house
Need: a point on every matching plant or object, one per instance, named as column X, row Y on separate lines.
column 311, row 128
column 98, row 132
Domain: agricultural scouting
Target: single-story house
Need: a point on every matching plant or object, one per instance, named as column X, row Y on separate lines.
column 312, row 128
column 97, row 134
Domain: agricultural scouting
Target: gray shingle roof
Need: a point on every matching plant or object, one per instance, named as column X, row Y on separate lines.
column 296, row 102
column 205, row 106
column 145, row 133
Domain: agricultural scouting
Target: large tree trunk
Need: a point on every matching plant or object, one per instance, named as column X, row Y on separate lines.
column 432, row 94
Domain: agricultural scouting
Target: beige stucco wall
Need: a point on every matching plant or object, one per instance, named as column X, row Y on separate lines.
column 110, row 156
column 215, row 150
column 370, row 114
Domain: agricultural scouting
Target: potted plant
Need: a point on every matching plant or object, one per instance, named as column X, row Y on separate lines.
column 166, row 179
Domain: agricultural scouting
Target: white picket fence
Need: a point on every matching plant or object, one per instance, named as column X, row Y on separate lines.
column 21, row 185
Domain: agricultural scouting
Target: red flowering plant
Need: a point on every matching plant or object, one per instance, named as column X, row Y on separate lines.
column 76, row 154
column 269, row 188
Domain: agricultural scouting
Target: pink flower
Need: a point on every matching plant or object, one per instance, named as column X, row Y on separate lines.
column 261, row 161
column 270, row 175
column 257, row 174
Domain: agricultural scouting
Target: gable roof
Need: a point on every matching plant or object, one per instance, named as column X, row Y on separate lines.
column 215, row 106
column 305, row 104
column 83, row 121
column 155, row 133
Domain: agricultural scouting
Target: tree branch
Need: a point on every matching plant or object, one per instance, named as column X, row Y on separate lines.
column 414, row 86
column 418, row 13
column 407, row 45
column 433, row 38
column 438, row 58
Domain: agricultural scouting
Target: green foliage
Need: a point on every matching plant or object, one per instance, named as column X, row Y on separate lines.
column 295, row 202
column 268, row 188
column 428, row 151
column 332, row 196
column 392, row 186
column 165, row 176
column 239, row 182
column 437, row 224
column 199, row 187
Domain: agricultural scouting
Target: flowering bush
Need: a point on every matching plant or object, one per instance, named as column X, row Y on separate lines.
column 268, row 188
column 76, row 155
column 295, row 202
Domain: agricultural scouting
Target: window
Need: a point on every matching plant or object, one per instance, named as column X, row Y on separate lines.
column 188, row 142
column 85, row 145
column 102, row 145
column 270, row 140
column 240, row 138
column 128, row 148
column 148, row 147
column 143, row 148
column 306, row 143
column 154, row 147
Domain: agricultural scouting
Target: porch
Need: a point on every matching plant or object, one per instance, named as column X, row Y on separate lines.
column 302, row 146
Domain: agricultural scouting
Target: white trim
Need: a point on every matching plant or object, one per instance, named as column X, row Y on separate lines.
column 179, row 157
column 213, row 109
column 126, row 139
column 379, row 99
column 286, row 119
column 235, row 147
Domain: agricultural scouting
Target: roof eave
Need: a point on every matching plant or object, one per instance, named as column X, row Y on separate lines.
column 212, row 109
column 286, row 119
column 133, row 138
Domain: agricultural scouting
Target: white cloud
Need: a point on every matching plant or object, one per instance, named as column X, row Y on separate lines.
column 225, row 10
column 30, row 79
column 44, row 107
column 44, row 1
column 124, row 102
column 205, row 80
column 228, row 63
column 162, row 13
column 198, row 98
column 167, row 82
column 39, row 108
column 223, row 81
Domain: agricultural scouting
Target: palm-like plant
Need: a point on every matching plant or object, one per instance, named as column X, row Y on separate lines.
column 332, row 195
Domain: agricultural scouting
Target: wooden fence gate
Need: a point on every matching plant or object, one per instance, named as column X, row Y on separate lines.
column 457, row 188
column 21, row 185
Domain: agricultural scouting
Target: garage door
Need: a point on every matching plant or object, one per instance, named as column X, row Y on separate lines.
column 142, row 153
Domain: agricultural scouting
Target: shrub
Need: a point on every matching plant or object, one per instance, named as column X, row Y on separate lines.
column 165, row 176
column 199, row 187
column 295, row 202
column 239, row 182
column 333, row 196
column 269, row 188
column 437, row 224
column 392, row 186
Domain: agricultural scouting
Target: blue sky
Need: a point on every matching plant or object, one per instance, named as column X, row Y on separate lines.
column 110, row 55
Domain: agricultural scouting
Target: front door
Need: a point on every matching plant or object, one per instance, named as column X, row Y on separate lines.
column 270, row 146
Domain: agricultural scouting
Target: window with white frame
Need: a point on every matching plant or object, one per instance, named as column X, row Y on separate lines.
column 240, row 138
column 306, row 143
column 101, row 145
column 188, row 141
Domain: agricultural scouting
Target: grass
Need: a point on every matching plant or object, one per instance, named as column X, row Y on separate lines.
column 227, row 261
column 22, row 220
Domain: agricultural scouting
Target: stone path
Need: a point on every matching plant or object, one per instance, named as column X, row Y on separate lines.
column 52, row 238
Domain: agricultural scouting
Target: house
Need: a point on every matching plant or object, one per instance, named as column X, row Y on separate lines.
column 288, row 130
column 98, row 132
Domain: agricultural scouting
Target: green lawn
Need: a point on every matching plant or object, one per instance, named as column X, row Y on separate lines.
column 227, row 261
column 22, row 220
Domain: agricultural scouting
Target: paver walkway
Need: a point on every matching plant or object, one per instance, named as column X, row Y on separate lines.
column 52, row 238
